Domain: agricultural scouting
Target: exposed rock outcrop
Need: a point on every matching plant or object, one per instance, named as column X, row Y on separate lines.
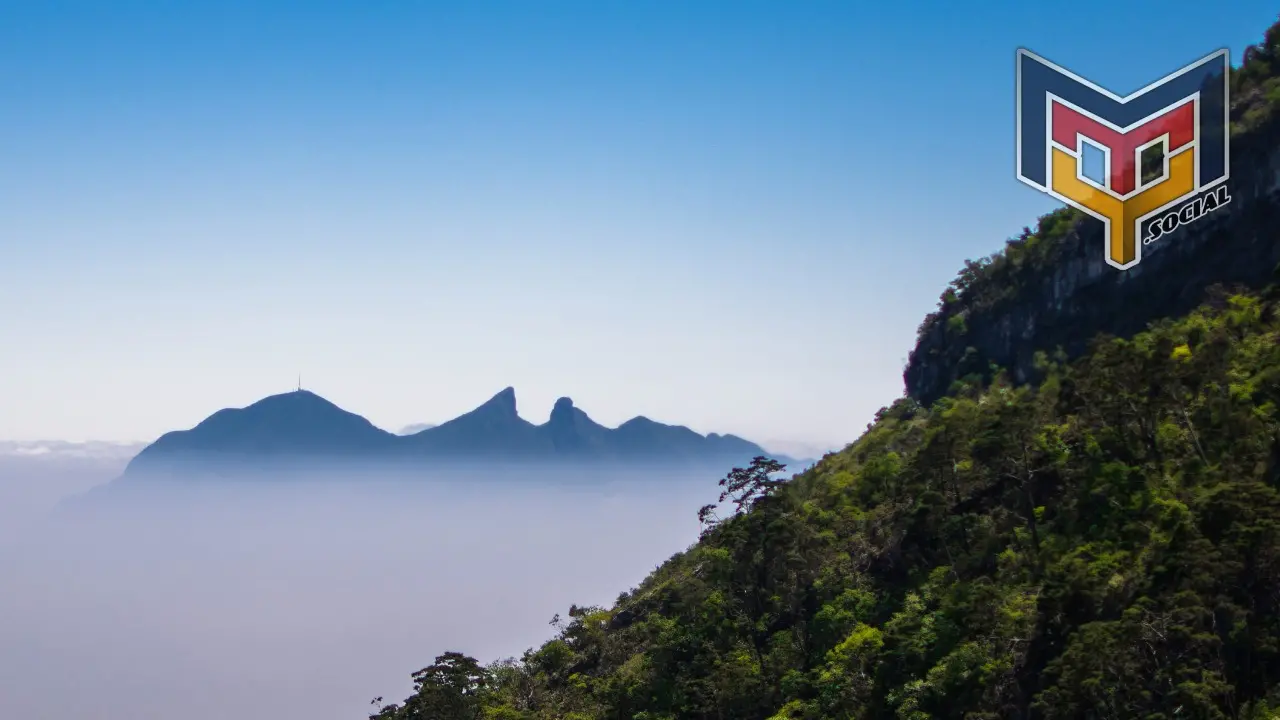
column 1064, row 296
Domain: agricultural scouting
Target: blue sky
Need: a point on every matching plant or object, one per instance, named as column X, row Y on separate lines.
column 731, row 215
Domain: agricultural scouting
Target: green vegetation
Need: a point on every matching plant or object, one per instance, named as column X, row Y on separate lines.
column 1255, row 87
column 1105, row 544
column 1005, row 277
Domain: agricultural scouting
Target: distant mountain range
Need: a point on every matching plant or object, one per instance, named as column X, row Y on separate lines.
column 302, row 426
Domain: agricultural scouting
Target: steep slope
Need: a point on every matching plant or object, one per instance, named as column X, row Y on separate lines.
column 1095, row 535
column 1051, row 288
column 1103, row 544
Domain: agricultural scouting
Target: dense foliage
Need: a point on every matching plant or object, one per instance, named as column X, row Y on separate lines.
column 1020, row 267
column 1105, row 544
column 1255, row 87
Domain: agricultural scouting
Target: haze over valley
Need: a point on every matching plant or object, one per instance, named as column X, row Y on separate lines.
column 260, row 599
column 233, row 594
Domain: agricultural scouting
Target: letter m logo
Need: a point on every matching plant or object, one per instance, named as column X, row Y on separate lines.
column 1066, row 124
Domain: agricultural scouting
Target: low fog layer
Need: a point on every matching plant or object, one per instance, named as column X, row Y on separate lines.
column 36, row 476
column 268, row 600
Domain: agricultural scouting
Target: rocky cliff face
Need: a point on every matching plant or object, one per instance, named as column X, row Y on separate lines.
column 1032, row 299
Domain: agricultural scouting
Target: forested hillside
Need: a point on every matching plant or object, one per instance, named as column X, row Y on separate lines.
column 1103, row 542
column 1050, row 288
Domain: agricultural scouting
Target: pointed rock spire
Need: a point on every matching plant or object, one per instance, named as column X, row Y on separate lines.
column 504, row 403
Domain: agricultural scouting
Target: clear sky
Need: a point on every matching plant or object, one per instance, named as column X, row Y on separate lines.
column 731, row 215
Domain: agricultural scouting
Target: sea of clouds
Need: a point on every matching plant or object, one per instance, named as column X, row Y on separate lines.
column 262, row 600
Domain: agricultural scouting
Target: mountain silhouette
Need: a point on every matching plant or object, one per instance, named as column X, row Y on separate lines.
column 299, row 421
column 572, row 432
column 493, row 429
column 302, row 426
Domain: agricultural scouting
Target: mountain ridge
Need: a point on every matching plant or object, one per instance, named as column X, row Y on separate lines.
column 301, row 425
